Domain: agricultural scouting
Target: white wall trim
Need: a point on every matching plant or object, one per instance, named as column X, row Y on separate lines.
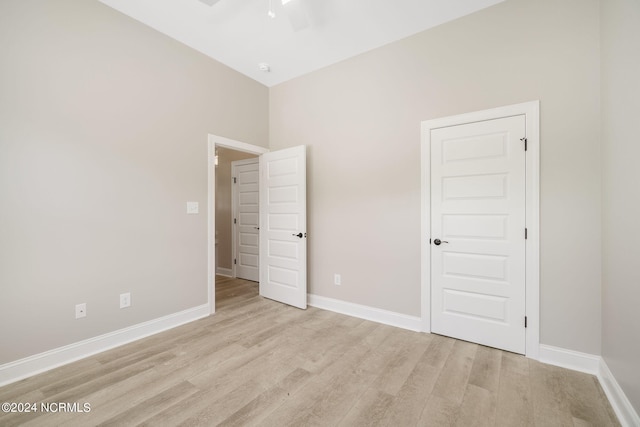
column 211, row 225
column 221, row 141
column 227, row 272
column 627, row 415
column 378, row 315
column 531, row 110
column 214, row 141
column 594, row 365
column 570, row 359
column 32, row 365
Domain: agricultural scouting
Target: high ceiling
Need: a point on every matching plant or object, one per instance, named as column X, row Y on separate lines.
column 303, row 35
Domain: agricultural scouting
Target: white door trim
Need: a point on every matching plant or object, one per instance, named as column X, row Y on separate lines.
column 531, row 110
column 214, row 141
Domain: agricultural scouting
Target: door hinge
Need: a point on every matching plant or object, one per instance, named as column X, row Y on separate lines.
column 526, row 233
column 235, row 261
column 234, row 179
column 235, row 221
column 525, row 143
column 525, row 321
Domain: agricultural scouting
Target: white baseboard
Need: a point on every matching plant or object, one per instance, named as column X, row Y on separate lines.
column 594, row 365
column 577, row 361
column 627, row 415
column 569, row 359
column 227, row 272
column 386, row 317
column 32, row 365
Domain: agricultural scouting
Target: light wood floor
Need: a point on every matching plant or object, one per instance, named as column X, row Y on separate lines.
column 258, row 362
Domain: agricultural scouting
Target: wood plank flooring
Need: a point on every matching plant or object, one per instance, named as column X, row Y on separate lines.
column 260, row 363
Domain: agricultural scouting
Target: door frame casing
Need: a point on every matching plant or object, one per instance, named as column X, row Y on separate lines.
column 214, row 141
column 531, row 111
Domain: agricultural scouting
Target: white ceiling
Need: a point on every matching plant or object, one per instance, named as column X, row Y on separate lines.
column 239, row 33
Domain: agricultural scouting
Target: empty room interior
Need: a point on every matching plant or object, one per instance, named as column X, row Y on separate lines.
column 319, row 212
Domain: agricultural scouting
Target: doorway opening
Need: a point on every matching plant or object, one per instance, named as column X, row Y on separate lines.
column 231, row 149
column 228, row 219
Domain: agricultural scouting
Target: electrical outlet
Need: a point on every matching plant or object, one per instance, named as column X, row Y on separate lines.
column 337, row 280
column 81, row 310
column 192, row 207
column 125, row 300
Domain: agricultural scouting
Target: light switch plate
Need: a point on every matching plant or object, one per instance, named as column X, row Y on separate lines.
column 125, row 300
column 192, row 207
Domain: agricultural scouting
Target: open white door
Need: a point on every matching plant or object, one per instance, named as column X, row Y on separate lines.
column 283, row 226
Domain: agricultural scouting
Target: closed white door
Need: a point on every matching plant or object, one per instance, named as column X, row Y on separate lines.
column 478, row 232
column 283, row 226
column 246, row 218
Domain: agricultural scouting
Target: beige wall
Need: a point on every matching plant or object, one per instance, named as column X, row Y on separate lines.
column 224, row 227
column 360, row 120
column 103, row 126
column 621, row 194
column 103, row 138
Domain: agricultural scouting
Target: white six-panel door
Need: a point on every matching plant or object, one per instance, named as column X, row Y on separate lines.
column 246, row 218
column 283, row 226
column 478, row 218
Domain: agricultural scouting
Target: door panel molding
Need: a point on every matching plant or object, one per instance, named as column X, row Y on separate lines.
column 532, row 211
